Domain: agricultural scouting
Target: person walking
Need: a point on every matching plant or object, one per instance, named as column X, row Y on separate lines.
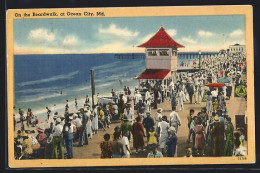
column 171, row 142
column 138, row 134
column 199, row 137
column 181, row 96
column 190, row 91
column 217, row 134
column 173, row 100
column 95, row 120
column 106, row 147
column 148, row 123
column 209, row 105
column 190, row 118
column 163, row 127
column 155, row 96
column 117, row 146
column 228, row 150
column 175, row 120
column 126, row 148
column 126, row 127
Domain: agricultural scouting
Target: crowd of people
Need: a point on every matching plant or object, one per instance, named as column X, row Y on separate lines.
column 211, row 127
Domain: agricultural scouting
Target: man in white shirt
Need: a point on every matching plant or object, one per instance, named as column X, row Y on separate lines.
column 68, row 135
column 77, row 122
column 137, row 97
column 130, row 114
column 57, row 140
column 214, row 94
column 158, row 118
column 175, row 120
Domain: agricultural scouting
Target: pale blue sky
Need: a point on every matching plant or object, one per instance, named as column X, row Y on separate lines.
column 111, row 35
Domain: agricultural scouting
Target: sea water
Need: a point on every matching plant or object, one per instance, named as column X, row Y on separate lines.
column 49, row 80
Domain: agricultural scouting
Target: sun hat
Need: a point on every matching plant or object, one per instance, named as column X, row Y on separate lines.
column 75, row 115
column 216, row 118
column 172, row 129
column 70, row 118
column 40, row 129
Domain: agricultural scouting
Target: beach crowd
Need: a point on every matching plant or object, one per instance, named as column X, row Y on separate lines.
column 211, row 127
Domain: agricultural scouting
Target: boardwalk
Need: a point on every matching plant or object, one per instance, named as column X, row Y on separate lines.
column 236, row 105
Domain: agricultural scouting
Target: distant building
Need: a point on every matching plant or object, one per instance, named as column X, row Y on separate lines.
column 161, row 57
column 237, row 49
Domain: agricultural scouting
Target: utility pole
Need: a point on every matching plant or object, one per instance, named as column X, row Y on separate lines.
column 199, row 59
column 94, row 97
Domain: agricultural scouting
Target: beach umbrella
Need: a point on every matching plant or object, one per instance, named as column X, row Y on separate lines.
column 224, row 80
column 215, row 85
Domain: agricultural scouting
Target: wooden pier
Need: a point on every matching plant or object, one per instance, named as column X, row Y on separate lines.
column 130, row 56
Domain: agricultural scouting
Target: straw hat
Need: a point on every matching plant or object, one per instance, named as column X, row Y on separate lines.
column 216, row 118
column 172, row 129
column 58, row 120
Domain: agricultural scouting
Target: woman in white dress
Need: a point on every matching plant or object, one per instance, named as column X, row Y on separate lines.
column 209, row 106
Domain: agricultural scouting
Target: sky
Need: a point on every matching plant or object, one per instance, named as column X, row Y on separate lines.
column 119, row 35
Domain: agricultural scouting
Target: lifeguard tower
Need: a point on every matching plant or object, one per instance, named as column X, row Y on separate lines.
column 161, row 53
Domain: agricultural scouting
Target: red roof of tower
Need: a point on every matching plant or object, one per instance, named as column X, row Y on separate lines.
column 154, row 74
column 161, row 39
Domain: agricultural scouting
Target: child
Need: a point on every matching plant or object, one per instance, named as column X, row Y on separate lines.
column 152, row 138
column 215, row 105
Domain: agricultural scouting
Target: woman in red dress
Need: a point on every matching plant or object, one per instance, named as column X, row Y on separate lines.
column 138, row 134
column 200, row 137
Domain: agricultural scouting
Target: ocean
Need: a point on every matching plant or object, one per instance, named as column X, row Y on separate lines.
column 39, row 79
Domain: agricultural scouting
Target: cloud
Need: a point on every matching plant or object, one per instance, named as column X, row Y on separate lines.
column 146, row 38
column 203, row 33
column 237, row 33
column 113, row 30
column 70, row 40
column 171, row 32
column 189, row 40
column 41, row 34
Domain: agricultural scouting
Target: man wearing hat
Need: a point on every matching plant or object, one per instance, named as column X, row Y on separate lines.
column 175, row 120
column 57, row 152
column 171, row 142
column 68, row 130
column 218, row 136
column 126, row 127
column 83, row 130
column 129, row 114
column 77, row 122
column 42, row 139
column 148, row 123
column 154, row 153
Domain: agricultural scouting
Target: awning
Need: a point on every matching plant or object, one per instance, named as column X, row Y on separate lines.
column 154, row 74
